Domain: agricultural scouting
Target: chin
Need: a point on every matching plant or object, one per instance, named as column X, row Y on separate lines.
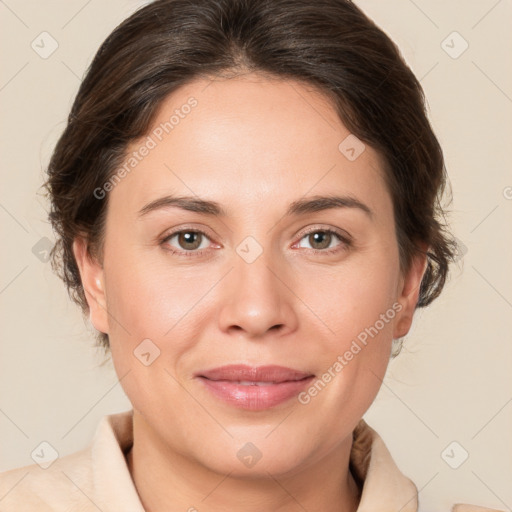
column 253, row 456
column 266, row 467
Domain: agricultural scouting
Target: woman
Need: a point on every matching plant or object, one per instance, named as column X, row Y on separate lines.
column 246, row 204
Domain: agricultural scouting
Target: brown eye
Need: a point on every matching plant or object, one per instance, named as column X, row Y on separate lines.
column 320, row 239
column 325, row 241
column 189, row 240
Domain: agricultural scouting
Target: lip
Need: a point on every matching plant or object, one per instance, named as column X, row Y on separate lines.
column 254, row 387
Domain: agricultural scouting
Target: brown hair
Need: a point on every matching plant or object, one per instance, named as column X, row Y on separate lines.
column 328, row 44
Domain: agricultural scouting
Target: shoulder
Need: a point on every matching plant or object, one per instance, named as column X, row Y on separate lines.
column 460, row 507
column 383, row 485
column 87, row 480
column 59, row 487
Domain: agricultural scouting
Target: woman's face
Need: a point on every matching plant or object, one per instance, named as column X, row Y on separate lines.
column 281, row 252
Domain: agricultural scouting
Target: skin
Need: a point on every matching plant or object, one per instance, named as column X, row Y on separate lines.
column 254, row 145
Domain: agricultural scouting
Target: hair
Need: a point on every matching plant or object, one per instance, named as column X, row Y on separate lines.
column 327, row 44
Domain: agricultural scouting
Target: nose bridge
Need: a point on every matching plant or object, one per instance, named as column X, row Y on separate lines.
column 257, row 301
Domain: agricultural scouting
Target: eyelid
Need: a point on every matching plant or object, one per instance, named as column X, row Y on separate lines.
column 342, row 234
column 187, row 227
column 167, row 235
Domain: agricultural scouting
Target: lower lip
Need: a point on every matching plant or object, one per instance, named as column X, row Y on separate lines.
column 255, row 398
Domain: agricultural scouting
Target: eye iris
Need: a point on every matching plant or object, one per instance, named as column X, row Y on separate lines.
column 189, row 240
column 320, row 237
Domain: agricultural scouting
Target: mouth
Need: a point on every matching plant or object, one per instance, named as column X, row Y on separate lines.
column 254, row 388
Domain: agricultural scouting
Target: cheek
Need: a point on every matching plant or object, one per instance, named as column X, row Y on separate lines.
column 149, row 300
column 360, row 310
column 358, row 297
column 150, row 310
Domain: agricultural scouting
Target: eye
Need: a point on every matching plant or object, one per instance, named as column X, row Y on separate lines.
column 324, row 240
column 187, row 240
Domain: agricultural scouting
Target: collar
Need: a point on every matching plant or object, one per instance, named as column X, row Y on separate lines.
column 384, row 487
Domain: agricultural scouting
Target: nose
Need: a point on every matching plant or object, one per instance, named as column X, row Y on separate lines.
column 256, row 299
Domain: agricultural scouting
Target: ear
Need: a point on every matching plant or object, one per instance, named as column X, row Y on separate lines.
column 408, row 293
column 91, row 274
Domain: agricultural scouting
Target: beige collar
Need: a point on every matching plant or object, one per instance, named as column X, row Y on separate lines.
column 384, row 487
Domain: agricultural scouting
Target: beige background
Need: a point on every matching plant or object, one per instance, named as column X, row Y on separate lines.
column 452, row 382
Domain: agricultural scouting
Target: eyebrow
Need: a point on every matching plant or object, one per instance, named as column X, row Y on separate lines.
column 189, row 203
column 300, row 207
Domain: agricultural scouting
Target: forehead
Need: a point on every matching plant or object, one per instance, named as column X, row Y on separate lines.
column 249, row 139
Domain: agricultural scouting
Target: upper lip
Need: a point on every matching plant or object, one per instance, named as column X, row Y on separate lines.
column 241, row 372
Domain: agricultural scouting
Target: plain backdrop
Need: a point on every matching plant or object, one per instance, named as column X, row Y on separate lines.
column 453, row 380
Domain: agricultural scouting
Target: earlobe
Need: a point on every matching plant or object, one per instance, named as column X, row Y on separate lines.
column 409, row 294
column 91, row 275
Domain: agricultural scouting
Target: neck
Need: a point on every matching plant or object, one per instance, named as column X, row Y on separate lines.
column 171, row 482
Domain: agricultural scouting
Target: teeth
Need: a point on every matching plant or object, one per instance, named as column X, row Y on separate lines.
column 252, row 383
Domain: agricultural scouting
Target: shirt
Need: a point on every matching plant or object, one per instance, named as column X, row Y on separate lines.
column 98, row 478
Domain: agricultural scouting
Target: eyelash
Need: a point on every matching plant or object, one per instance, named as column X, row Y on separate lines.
column 345, row 244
